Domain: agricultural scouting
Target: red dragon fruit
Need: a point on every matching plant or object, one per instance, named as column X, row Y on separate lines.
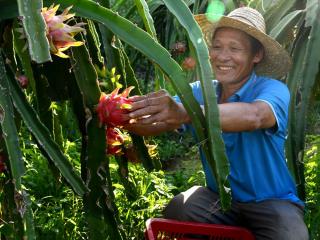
column 115, row 140
column 111, row 107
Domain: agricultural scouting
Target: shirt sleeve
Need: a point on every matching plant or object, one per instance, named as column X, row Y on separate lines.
column 277, row 96
column 197, row 93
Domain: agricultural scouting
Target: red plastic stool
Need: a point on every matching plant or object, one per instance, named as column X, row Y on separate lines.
column 165, row 229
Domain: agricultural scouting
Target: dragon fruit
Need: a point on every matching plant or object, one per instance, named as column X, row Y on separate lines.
column 59, row 34
column 111, row 107
column 115, row 140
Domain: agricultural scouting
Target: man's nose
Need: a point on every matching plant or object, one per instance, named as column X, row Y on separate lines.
column 222, row 54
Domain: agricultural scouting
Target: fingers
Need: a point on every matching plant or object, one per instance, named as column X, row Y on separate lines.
column 149, row 104
column 159, row 93
column 145, row 111
column 151, row 108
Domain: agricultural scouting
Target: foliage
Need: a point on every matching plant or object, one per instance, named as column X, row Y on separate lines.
column 312, row 174
column 58, row 211
column 116, row 46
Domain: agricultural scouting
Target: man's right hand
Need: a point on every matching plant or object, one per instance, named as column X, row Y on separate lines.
column 155, row 113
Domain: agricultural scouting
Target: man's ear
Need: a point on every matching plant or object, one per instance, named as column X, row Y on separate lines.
column 258, row 56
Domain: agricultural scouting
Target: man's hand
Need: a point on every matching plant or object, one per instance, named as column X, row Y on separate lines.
column 154, row 110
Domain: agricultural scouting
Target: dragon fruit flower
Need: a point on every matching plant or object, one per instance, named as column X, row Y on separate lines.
column 60, row 34
column 115, row 140
column 113, row 106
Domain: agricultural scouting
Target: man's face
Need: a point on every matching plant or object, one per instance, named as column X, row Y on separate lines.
column 232, row 57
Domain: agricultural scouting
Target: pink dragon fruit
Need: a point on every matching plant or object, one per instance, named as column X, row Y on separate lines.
column 59, row 34
column 111, row 107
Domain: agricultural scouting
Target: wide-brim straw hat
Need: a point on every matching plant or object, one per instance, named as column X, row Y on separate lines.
column 276, row 62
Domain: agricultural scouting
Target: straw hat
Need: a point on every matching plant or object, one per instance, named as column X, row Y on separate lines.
column 276, row 62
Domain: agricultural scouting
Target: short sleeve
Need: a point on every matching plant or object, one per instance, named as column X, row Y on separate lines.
column 277, row 96
column 197, row 93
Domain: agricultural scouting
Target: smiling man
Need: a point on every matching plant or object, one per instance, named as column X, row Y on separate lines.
column 253, row 109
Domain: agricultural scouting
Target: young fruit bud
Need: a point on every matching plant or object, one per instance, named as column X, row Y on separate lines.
column 2, row 163
column 178, row 48
column 23, row 81
column 188, row 64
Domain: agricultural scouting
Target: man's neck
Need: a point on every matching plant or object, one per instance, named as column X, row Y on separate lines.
column 227, row 90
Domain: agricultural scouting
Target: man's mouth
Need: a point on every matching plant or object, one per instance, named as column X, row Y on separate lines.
column 224, row 68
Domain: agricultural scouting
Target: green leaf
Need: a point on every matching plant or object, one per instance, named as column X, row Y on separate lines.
column 217, row 159
column 301, row 82
column 311, row 15
column 144, row 13
column 86, row 76
column 35, row 29
column 24, row 56
column 286, row 26
column 9, row 129
column 293, row 143
column 94, row 43
column 261, row 5
column 275, row 13
column 99, row 206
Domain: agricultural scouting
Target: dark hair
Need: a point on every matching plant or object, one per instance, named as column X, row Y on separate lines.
column 256, row 45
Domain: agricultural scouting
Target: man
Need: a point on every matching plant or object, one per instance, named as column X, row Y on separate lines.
column 253, row 111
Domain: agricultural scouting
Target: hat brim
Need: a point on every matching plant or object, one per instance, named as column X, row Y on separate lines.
column 276, row 62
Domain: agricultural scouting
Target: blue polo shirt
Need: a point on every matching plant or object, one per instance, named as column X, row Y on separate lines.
column 258, row 169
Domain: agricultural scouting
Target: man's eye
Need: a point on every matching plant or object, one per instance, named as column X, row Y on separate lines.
column 235, row 49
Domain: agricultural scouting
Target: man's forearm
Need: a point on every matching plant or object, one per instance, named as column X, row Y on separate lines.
column 239, row 116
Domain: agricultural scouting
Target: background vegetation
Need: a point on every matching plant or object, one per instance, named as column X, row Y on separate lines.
column 56, row 181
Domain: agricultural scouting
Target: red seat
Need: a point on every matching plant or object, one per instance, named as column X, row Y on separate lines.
column 165, row 229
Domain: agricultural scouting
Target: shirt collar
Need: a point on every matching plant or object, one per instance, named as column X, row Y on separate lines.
column 242, row 91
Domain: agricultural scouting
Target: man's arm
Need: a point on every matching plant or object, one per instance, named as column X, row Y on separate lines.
column 238, row 116
column 158, row 112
